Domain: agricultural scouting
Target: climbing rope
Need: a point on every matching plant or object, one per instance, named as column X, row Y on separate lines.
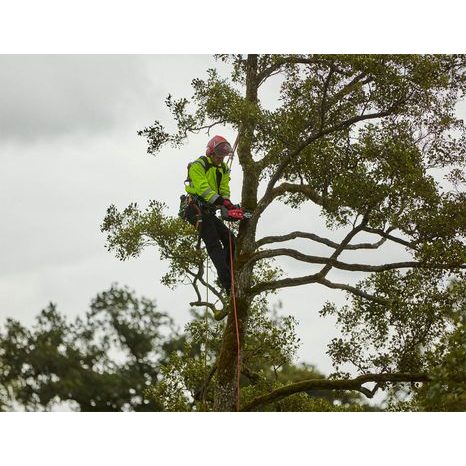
column 238, row 348
column 233, row 297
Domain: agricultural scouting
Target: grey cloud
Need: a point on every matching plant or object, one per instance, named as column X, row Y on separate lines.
column 42, row 96
column 46, row 96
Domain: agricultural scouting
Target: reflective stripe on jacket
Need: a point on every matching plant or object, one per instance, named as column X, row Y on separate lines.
column 208, row 181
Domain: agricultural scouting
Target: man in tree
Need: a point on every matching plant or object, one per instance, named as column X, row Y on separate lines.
column 361, row 140
column 209, row 189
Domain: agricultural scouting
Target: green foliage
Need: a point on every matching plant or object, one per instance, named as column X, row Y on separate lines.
column 362, row 137
column 131, row 230
column 312, row 400
column 100, row 363
column 421, row 328
column 267, row 363
column 270, row 343
column 447, row 363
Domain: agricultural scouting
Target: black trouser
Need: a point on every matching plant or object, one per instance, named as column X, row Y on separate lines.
column 216, row 237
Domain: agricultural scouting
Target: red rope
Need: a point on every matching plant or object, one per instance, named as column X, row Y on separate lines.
column 238, row 371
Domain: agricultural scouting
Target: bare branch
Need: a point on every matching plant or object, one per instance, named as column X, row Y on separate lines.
column 200, row 278
column 305, row 189
column 325, row 384
column 318, row 239
column 283, row 283
column 308, row 279
column 204, row 304
column 208, row 127
column 352, row 290
column 331, row 262
column 384, row 234
column 346, row 240
column 200, row 393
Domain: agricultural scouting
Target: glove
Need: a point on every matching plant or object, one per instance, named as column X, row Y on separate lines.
column 227, row 203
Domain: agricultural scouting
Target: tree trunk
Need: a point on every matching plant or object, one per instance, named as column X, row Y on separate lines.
column 226, row 396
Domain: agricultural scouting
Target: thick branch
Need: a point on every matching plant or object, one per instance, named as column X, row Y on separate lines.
column 309, row 192
column 318, row 239
column 199, row 394
column 346, row 240
column 199, row 277
column 385, row 234
column 204, row 304
column 314, row 278
column 281, row 61
column 350, row 86
column 268, row 253
column 325, row 384
column 254, row 377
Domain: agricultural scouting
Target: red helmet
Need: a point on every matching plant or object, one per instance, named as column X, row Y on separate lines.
column 218, row 145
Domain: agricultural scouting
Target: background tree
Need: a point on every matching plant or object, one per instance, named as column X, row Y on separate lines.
column 360, row 137
column 100, row 363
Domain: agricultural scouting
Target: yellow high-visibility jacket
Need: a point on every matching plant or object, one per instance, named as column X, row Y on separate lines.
column 207, row 180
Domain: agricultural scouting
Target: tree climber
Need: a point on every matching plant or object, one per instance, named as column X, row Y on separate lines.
column 208, row 188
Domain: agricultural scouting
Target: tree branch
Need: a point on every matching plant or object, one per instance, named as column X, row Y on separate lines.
column 346, row 240
column 208, row 127
column 204, row 304
column 254, row 377
column 325, row 384
column 385, row 234
column 199, row 394
column 281, row 61
column 323, row 102
column 267, row 197
column 309, row 192
column 350, row 86
column 198, row 276
column 330, row 261
column 318, row 239
column 351, row 289
column 314, row 278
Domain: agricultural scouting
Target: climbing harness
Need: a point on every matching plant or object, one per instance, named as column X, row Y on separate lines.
column 185, row 202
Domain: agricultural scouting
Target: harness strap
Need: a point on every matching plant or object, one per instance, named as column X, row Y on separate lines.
column 191, row 201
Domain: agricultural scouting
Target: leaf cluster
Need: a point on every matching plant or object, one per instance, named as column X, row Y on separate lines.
column 100, row 363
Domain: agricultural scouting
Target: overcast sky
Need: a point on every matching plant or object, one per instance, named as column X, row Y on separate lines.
column 69, row 149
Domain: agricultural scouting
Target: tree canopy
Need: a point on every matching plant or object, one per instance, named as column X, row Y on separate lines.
column 102, row 362
column 365, row 139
